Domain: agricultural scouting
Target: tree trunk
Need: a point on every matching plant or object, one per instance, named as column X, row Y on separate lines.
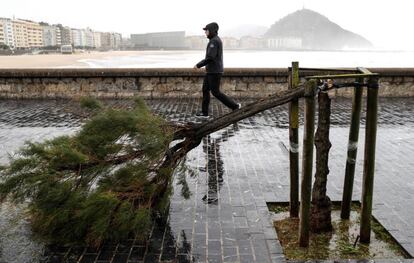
column 321, row 203
column 190, row 135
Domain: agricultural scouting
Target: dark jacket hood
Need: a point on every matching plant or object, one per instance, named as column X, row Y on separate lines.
column 212, row 28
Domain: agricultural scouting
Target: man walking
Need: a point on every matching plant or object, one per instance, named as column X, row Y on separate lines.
column 214, row 70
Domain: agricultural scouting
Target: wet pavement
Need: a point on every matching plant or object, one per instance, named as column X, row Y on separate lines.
column 231, row 176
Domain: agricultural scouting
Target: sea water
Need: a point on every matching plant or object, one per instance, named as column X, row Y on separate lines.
column 256, row 59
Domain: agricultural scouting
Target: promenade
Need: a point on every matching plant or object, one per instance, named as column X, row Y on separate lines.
column 231, row 175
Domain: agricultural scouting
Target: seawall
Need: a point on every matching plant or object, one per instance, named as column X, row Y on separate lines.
column 172, row 83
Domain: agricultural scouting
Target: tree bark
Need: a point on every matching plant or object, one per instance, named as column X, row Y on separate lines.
column 188, row 136
column 321, row 203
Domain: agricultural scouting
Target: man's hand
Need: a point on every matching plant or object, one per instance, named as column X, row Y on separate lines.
column 330, row 83
column 197, row 69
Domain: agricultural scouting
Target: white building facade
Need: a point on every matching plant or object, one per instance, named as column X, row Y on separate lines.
column 97, row 40
column 51, row 36
column 7, row 29
column 284, row 42
column 117, row 40
column 89, row 38
column 78, row 37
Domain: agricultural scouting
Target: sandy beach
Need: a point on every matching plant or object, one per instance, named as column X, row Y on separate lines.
column 60, row 60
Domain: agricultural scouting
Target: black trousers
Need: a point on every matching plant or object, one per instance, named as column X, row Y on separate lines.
column 212, row 83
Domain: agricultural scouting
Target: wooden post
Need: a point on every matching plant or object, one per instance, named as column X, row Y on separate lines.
column 369, row 160
column 307, row 159
column 294, row 143
column 352, row 152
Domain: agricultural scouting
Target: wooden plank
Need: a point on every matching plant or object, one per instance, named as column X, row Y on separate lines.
column 364, row 70
column 342, row 76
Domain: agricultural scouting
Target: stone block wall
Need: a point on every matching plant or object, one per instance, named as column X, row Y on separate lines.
column 168, row 83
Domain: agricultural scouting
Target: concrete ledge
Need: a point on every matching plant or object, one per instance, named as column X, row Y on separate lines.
column 174, row 83
column 177, row 72
column 393, row 72
column 134, row 72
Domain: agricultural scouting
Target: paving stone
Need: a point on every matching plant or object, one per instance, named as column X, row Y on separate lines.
column 231, row 259
column 74, row 254
column 120, row 258
column 168, row 253
column 89, row 258
column 213, row 258
column 125, row 247
column 246, row 258
column 274, row 246
column 184, row 258
column 137, row 253
column 106, row 252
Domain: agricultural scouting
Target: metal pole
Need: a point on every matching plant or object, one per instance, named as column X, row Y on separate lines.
column 294, row 143
column 352, row 152
column 369, row 160
column 307, row 159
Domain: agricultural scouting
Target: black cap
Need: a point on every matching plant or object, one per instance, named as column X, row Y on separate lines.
column 212, row 27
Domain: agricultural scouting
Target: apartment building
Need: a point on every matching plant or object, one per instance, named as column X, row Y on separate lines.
column 196, row 42
column 89, row 38
column 97, row 40
column 284, row 42
column 6, row 27
column 117, row 40
column 248, row 42
column 24, row 34
column 27, row 34
column 2, row 37
column 20, row 34
column 105, row 40
column 65, row 35
column 230, row 42
column 51, row 36
column 159, row 40
column 34, row 34
column 78, row 37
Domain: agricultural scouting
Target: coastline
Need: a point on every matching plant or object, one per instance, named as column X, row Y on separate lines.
column 78, row 60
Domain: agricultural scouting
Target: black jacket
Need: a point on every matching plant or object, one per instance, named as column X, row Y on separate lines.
column 214, row 56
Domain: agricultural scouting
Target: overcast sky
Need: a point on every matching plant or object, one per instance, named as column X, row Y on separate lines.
column 388, row 24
